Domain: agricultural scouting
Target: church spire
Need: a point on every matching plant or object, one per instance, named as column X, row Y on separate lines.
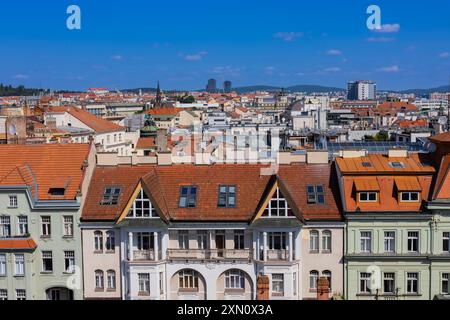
column 158, row 99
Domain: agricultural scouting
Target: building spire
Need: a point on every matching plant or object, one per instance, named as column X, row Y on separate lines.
column 158, row 99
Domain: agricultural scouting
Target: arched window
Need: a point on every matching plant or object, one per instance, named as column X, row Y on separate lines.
column 98, row 241
column 313, row 277
column 111, row 278
column 110, row 241
column 234, row 279
column 99, row 279
column 326, row 241
column 188, row 279
column 314, row 241
column 327, row 274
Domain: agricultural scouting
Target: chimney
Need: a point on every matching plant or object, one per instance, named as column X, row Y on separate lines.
column 161, row 140
column 398, row 153
column 323, row 290
column 262, row 284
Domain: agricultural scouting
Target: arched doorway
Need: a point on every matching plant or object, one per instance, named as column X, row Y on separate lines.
column 59, row 293
column 188, row 284
column 234, row 284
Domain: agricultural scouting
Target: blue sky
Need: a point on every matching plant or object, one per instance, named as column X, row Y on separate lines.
column 126, row 44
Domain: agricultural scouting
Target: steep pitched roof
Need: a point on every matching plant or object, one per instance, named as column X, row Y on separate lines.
column 442, row 184
column 42, row 166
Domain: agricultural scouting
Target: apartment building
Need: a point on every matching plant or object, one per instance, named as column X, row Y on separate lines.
column 209, row 231
column 41, row 193
column 388, row 227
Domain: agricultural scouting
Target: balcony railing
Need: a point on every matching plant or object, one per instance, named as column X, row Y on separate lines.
column 276, row 255
column 145, row 255
column 210, row 254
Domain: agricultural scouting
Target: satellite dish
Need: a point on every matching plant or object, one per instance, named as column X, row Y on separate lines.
column 12, row 130
column 442, row 120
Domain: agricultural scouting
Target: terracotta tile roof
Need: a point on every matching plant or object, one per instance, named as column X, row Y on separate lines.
column 145, row 143
column 165, row 111
column 18, row 243
column 442, row 184
column 23, row 165
column 380, row 164
column 162, row 183
column 443, row 137
column 125, row 177
column 393, row 108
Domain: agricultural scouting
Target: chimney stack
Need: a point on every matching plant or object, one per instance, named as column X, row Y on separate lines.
column 262, row 291
column 161, row 140
column 323, row 289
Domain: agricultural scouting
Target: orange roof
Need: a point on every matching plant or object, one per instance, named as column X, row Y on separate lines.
column 380, row 164
column 44, row 166
column 164, row 111
column 12, row 243
column 442, row 185
column 407, row 184
column 443, row 137
column 145, row 143
column 394, row 107
column 366, row 184
column 410, row 123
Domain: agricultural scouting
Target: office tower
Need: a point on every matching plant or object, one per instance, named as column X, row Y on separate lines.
column 211, row 87
column 227, row 86
column 361, row 90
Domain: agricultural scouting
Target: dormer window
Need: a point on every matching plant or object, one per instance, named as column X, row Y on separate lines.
column 56, row 191
column 142, row 207
column 111, row 196
column 277, row 206
column 368, row 196
column 188, row 197
column 366, row 164
column 409, row 196
column 227, row 197
column 316, row 194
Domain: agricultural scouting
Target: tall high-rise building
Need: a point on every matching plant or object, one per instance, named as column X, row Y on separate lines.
column 227, row 86
column 211, row 87
column 361, row 90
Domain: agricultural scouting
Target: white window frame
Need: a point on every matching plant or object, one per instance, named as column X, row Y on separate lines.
column 327, row 242
column 22, row 225
column 409, row 193
column 412, row 239
column 313, row 278
column 3, row 294
column 19, row 265
column 410, row 278
column 46, row 226
column 141, row 213
column 144, row 283
column 13, row 201
column 111, row 279
column 68, row 226
column 385, row 277
column 202, row 239
column 365, row 278
column 189, row 276
column 314, row 241
column 364, row 240
column 183, row 239
column 45, row 256
column 110, row 242
column 161, row 283
column 446, row 238
column 445, row 278
column 69, row 261
column 278, row 284
column 98, row 241
column 368, row 193
column 239, row 239
column 99, row 279
column 283, row 211
column 3, row 265
column 389, row 241
column 5, row 226
column 234, row 279
column 21, row 294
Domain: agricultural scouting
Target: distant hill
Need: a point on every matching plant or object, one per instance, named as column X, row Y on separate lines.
column 297, row 88
column 8, row 90
column 423, row 92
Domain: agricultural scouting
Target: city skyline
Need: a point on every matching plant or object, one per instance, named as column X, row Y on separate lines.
column 183, row 44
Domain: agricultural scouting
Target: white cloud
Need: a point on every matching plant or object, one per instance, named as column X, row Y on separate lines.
column 117, row 57
column 390, row 69
column 332, row 69
column 444, row 55
column 21, row 76
column 380, row 39
column 225, row 71
column 334, row 52
column 288, row 36
column 389, row 28
column 195, row 56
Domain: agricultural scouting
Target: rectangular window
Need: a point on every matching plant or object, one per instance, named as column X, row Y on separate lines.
column 314, row 241
column 409, row 196
column 316, row 194
column 366, row 241
column 368, row 196
column 188, row 279
column 3, row 294
column 412, row 282
column 364, row 282
column 277, row 240
column 111, row 279
column 278, row 284
column 111, row 196
column 19, row 265
column 2, row 265
column 47, row 261
column 294, row 283
column 144, row 283
column 444, row 283
column 144, row 241
column 188, row 197
column 227, row 197
column 183, row 239
column 21, row 294
column 389, row 241
column 22, row 225
column 326, row 241
column 46, row 230
column 5, row 226
column 413, row 241
column 13, row 201
column 202, row 239
column 389, row 282
column 446, row 241
column 239, row 238
column 68, row 226
column 69, row 261
column 161, row 283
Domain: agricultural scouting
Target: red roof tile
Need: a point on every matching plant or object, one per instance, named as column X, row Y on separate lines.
column 23, row 244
